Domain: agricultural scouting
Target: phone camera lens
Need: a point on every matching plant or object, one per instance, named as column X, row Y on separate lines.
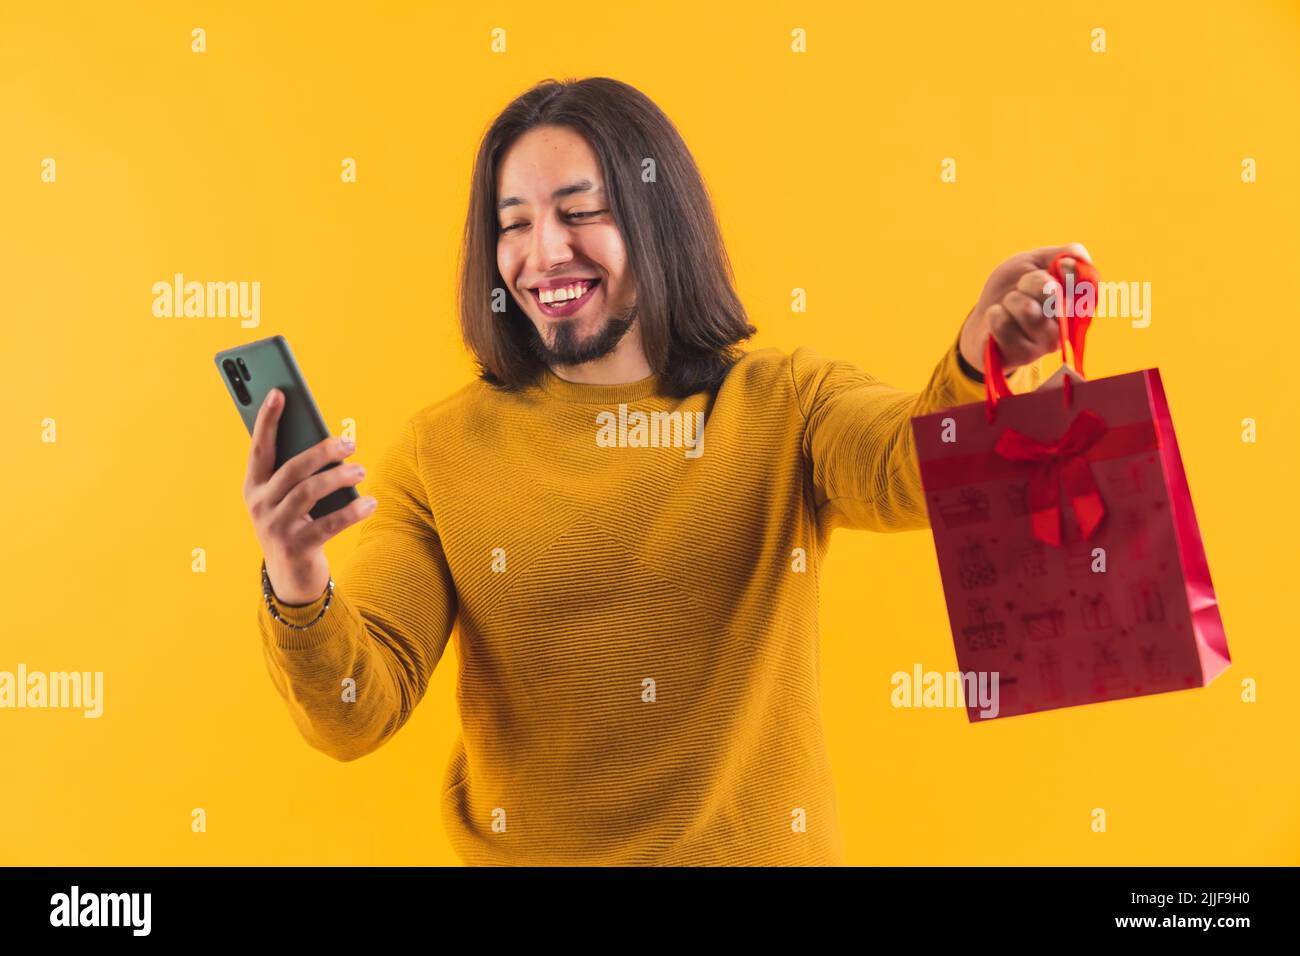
column 241, row 392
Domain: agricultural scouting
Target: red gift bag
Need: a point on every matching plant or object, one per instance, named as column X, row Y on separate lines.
column 1072, row 565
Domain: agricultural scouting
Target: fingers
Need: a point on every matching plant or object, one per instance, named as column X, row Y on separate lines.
column 1009, row 335
column 1022, row 326
column 261, row 453
column 1016, row 307
column 1032, row 316
column 1037, row 284
column 1042, row 258
column 303, row 465
column 317, row 532
column 304, row 495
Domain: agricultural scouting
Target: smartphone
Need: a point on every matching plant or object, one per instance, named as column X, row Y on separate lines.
column 250, row 372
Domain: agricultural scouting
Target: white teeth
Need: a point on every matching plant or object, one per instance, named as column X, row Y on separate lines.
column 564, row 293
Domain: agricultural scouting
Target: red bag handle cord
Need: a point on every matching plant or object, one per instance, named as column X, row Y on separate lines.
column 1073, row 324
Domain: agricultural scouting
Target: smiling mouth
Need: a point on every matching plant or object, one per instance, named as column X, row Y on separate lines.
column 565, row 307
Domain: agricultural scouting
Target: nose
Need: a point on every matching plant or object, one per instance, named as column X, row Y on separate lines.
column 552, row 244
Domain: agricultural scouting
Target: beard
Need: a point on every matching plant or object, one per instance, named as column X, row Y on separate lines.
column 567, row 349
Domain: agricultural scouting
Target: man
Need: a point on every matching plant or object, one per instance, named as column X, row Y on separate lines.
column 637, row 624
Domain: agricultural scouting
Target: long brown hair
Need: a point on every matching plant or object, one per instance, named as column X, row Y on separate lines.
column 689, row 314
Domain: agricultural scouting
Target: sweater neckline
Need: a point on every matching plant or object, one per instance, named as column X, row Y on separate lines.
column 588, row 394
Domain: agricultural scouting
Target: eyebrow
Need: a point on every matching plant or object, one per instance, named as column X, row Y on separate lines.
column 581, row 186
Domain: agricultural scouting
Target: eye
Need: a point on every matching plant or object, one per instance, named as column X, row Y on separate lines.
column 573, row 215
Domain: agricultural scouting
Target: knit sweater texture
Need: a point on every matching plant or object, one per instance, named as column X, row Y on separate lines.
column 633, row 603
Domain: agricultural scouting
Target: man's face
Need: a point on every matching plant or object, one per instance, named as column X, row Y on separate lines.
column 555, row 229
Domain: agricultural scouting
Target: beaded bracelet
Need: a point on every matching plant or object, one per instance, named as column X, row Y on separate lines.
column 270, row 601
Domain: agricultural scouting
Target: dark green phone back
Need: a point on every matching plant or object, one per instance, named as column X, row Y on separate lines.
column 266, row 364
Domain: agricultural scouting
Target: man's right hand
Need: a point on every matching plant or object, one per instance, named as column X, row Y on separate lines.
column 278, row 501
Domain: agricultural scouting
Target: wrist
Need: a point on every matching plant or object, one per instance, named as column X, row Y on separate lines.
column 296, row 616
column 971, row 345
column 292, row 589
column 968, row 370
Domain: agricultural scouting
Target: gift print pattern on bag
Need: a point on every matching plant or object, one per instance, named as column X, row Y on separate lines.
column 1130, row 480
column 1148, row 608
column 970, row 506
column 1033, row 561
column 1155, row 662
column 1095, row 611
column 1079, row 560
column 1045, row 624
column 1048, row 669
column 977, row 569
column 1108, row 677
column 1018, row 498
column 1136, row 535
column 985, row 631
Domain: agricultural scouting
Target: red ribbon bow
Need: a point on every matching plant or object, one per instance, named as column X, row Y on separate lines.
column 1061, row 460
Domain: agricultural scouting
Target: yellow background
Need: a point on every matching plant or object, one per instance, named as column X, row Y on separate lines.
column 225, row 165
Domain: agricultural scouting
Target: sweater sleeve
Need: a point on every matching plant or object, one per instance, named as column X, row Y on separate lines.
column 858, row 442
column 352, row 679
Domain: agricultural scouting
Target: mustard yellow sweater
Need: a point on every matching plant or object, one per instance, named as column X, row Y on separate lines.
column 638, row 634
